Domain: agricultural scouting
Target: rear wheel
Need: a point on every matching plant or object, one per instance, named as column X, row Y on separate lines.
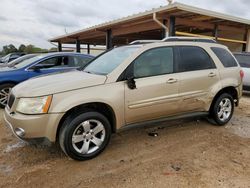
column 85, row 136
column 4, row 94
column 223, row 108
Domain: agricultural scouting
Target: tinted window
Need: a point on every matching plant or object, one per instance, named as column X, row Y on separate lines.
column 55, row 62
column 225, row 57
column 193, row 58
column 78, row 61
column 244, row 60
column 154, row 62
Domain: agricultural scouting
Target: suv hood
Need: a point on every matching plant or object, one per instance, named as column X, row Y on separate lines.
column 56, row 83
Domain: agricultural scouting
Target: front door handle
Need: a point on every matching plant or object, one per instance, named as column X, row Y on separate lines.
column 171, row 80
column 211, row 74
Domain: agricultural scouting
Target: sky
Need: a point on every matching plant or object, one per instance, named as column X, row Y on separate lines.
column 36, row 21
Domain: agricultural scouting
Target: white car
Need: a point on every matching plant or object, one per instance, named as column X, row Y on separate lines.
column 244, row 61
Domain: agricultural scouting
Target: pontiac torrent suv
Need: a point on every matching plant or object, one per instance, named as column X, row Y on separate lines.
column 129, row 85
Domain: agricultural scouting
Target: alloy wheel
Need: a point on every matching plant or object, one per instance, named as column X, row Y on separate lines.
column 4, row 93
column 225, row 109
column 88, row 136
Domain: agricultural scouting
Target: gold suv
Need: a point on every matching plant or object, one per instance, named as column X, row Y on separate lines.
column 141, row 82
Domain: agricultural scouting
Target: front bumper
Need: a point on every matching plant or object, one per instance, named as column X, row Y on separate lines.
column 27, row 127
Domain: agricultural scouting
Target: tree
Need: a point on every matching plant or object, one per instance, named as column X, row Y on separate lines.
column 9, row 49
column 22, row 48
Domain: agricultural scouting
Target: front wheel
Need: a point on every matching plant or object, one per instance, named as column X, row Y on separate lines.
column 85, row 136
column 4, row 94
column 223, row 108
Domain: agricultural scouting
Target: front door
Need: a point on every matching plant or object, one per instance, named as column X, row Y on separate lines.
column 156, row 92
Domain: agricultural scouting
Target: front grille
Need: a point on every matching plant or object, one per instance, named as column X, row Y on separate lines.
column 11, row 100
column 246, row 88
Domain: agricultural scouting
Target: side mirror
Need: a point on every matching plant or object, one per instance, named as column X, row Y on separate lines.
column 131, row 83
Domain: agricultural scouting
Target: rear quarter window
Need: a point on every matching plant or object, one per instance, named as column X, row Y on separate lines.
column 225, row 57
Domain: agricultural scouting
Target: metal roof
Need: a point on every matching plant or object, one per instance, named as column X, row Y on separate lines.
column 175, row 8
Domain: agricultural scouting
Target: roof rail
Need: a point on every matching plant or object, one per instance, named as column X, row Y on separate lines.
column 186, row 39
column 144, row 41
column 175, row 39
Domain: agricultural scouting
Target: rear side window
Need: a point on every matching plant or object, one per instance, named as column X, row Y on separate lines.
column 192, row 58
column 225, row 57
column 244, row 60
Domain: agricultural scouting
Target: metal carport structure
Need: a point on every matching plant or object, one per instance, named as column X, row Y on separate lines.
column 172, row 20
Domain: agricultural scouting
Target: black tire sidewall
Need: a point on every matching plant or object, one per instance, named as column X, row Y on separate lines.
column 216, row 106
column 69, row 127
column 7, row 85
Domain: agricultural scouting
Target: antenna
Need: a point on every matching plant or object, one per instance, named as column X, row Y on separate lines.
column 65, row 31
column 170, row 1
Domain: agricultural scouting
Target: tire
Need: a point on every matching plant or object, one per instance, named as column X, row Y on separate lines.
column 222, row 109
column 4, row 93
column 80, row 132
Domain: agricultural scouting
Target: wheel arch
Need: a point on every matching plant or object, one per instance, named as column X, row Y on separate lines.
column 100, row 107
column 8, row 82
column 230, row 90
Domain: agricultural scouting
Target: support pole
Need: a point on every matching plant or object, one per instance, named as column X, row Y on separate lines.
column 216, row 32
column 59, row 47
column 248, row 41
column 109, row 39
column 88, row 48
column 172, row 26
column 78, row 45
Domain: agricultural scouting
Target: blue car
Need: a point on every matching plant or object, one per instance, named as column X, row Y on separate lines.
column 36, row 66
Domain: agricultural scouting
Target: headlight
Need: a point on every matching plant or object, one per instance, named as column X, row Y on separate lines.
column 36, row 105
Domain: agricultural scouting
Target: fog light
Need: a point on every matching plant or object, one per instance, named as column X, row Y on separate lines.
column 19, row 132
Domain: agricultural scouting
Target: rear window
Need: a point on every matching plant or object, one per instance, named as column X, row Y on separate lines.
column 225, row 57
column 244, row 60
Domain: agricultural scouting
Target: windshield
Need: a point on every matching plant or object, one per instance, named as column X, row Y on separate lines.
column 244, row 60
column 5, row 58
column 26, row 62
column 107, row 62
column 20, row 59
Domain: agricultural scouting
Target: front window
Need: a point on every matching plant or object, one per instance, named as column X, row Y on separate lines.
column 107, row 62
column 154, row 62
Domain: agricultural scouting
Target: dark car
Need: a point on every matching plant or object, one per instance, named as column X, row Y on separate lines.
column 18, row 60
column 244, row 61
column 10, row 57
column 36, row 66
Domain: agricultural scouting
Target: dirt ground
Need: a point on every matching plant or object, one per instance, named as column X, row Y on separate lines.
column 186, row 153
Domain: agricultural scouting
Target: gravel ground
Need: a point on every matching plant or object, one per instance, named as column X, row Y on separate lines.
column 186, row 153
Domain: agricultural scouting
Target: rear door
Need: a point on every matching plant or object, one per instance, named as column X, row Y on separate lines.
column 197, row 76
column 156, row 92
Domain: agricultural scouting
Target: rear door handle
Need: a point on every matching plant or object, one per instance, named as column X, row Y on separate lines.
column 171, row 80
column 211, row 74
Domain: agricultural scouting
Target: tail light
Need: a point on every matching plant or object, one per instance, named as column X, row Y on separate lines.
column 241, row 74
